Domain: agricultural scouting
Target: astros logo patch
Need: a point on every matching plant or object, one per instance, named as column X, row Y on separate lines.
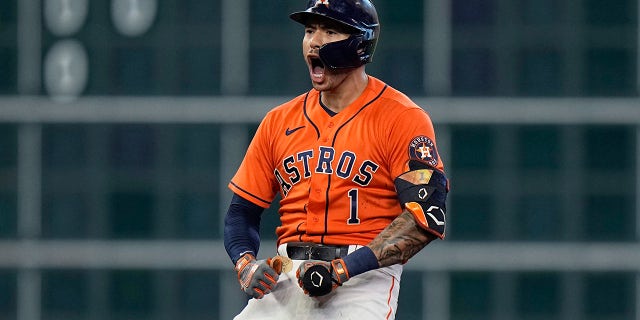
column 422, row 148
column 319, row 2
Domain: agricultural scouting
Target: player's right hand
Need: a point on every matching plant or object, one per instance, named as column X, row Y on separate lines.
column 256, row 277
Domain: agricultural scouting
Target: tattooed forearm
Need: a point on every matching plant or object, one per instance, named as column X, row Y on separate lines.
column 400, row 240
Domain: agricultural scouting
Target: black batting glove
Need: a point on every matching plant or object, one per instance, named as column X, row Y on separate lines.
column 318, row 278
column 256, row 277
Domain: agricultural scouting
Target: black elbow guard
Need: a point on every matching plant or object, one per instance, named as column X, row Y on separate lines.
column 423, row 192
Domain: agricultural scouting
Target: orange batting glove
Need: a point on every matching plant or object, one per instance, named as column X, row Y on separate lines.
column 318, row 278
column 256, row 277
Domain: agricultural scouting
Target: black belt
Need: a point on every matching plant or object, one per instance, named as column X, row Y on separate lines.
column 307, row 251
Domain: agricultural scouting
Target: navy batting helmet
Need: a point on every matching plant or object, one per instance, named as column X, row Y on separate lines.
column 358, row 15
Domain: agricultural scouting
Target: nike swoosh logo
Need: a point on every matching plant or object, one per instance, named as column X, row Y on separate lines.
column 290, row 131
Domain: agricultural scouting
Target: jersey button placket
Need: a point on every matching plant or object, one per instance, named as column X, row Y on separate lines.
column 329, row 126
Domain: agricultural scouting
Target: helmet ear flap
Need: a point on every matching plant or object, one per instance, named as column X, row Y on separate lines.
column 365, row 50
column 347, row 53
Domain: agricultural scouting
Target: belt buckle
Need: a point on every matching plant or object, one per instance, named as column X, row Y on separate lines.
column 309, row 252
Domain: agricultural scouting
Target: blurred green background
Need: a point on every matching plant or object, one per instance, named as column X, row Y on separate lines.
column 122, row 121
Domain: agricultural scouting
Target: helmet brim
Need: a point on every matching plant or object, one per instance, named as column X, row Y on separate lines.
column 300, row 17
column 303, row 17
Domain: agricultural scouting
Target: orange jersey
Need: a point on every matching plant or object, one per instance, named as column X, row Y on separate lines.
column 335, row 174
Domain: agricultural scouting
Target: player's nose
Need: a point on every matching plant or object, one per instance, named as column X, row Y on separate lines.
column 315, row 41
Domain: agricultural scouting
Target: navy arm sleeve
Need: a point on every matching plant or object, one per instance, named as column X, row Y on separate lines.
column 242, row 228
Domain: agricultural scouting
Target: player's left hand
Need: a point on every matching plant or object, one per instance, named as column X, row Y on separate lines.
column 318, row 278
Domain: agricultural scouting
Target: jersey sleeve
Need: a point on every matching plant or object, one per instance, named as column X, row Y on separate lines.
column 254, row 179
column 412, row 137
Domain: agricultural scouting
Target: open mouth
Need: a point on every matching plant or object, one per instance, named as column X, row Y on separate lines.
column 317, row 67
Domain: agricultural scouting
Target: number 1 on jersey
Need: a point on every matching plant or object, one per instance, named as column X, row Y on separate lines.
column 353, row 210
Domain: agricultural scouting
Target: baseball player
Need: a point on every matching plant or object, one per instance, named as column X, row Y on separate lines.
column 361, row 182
